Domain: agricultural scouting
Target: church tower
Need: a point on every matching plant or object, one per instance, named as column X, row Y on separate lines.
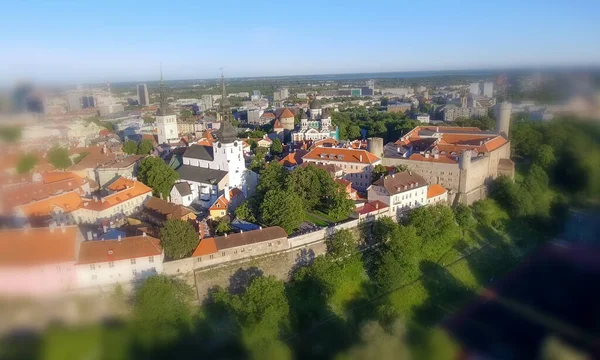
column 227, row 150
column 166, row 120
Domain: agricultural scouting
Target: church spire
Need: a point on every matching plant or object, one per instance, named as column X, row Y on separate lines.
column 162, row 110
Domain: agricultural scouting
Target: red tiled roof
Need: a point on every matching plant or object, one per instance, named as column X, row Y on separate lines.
column 98, row 251
column 371, row 207
column 277, row 124
column 293, row 159
column 222, row 203
column 125, row 190
column 342, row 155
column 287, row 113
column 38, row 246
column 435, row 190
column 205, row 247
column 68, row 202
column 268, row 115
column 441, row 159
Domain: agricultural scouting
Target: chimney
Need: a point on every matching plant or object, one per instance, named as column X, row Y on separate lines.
column 376, row 206
column 241, row 231
column 225, row 235
column 62, row 228
column 360, row 158
column 89, row 235
column 119, row 238
column 144, row 234
column 260, row 228
column 426, row 156
column 227, row 194
column 103, row 200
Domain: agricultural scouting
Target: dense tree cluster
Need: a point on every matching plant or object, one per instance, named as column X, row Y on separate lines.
column 387, row 125
column 155, row 173
column 59, row 157
column 178, row 238
column 26, row 163
column 144, row 147
column 282, row 197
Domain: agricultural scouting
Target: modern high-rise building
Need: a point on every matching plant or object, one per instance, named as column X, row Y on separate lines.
column 142, row 92
column 256, row 93
column 208, row 101
column 474, row 89
column 488, row 89
column 74, row 101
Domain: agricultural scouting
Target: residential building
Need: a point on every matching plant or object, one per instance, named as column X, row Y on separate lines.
column 157, row 211
column 143, row 96
column 422, row 118
column 121, row 261
column 482, row 89
column 124, row 198
column 356, row 164
column 400, row 191
column 227, row 203
column 182, row 193
column 371, row 211
column 208, row 101
column 399, row 107
column 119, row 167
column 462, row 160
column 186, row 127
column 293, row 159
column 218, row 250
column 437, row 194
column 315, row 125
column 254, row 116
column 451, row 112
column 38, row 261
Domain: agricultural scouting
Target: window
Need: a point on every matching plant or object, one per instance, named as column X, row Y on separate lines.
column 235, row 251
column 211, row 256
column 243, row 249
column 151, row 259
column 134, row 272
column 111, row 264
column 199, row 259
column 223, row 253
column 270, row 244
column 92, row 266
column 132, row 261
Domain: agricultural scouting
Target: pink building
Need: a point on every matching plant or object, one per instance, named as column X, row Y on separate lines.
column 38, row 261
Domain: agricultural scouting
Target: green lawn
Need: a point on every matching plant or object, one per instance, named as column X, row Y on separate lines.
column 317, row 220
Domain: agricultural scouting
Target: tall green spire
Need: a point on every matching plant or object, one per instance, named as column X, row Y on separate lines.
column 163, row 106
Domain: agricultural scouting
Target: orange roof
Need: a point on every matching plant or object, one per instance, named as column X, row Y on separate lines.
column 205, row 247
column 277, row 124
column 441, row 159
column 435, row 190
column 222, row 203
column 268, row 115
column 343, row 182
column 371, row 206
column 293, row 159
column 343, row 155
column 68, row 202
column 329, row 142
column 208, row 136
column 287, row 113
column 38, row 246
column 50, row 177
column 97, row 251
column 125, row 190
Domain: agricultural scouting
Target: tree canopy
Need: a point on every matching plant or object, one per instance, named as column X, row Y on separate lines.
column 59, row 157
column 276, row 147
column 159, row 176
column 161, row 311
column 130, row 147
column 178, row 238
column 145, row 147
column 282, row 208
column 26, row 163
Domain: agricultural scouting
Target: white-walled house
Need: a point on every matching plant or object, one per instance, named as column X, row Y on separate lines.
column 38, row 261
column 181, row 194
column 401, row 191
column 107, row 262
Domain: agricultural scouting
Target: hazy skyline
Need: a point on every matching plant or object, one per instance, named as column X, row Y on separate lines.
column 126, row 41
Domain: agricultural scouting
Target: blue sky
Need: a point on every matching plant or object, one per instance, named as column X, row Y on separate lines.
column 84, row 41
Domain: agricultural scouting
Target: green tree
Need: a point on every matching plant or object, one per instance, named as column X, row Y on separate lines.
column 464, row 217
column 276, row 147
column 185, row 114
column 253, row 145
column 437, row 228
column 544, row 157
column 272, row 178
column 309, row 182
column 341, row 244
column 149, row 119
column 59, row 157
column 261, row 312
column 282, row 208
column 10, row 133
column 130, row 147
column 145, row 147
column 353, row 132
column 222, row 228
column 335, row 201
column 161, row 313
column 399, row 258
column 155, row 173
column 379, row 343
column 379, row 171
column 26, row 163
column 258, row 163
column 178, row 238
column 245, row 212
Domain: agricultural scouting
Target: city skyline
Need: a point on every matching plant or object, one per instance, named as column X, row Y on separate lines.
column 86, row 44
